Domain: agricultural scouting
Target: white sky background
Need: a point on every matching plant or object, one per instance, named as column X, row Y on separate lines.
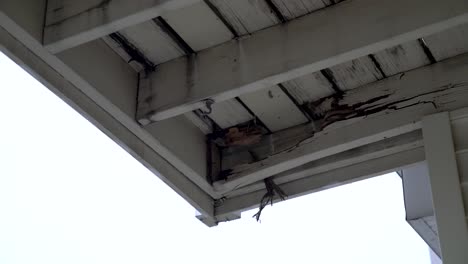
column 69, row 194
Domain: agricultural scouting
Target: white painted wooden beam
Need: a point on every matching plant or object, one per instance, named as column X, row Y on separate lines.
column 112, row 81
column 388, row 108
column 99, row 73
column 446, row 188
column 104, row 104
column 70, row 23
column 308, row 44
column 326, row 180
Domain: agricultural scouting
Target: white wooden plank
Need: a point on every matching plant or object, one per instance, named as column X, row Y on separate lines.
column 355, row 73
column 198, row 26
column 198, row 122
column 284, row 52
column 387, row 108
column 29, row 18
column 448, row 43
column 59, row 10
column 274, row 108
column 460, row 128
column 401, row 58
column 291, row 9
column 229, row 113
column 246, row 16
column 70, row 23
column 309, row 88
column 153, row 42
column 462, row 162
column 122, row 53
column 446, row 189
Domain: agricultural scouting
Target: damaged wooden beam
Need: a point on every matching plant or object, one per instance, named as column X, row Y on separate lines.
column 305, row 45
column 71, row 23
column 362, row 116
column 325, row 180
column 379, row 149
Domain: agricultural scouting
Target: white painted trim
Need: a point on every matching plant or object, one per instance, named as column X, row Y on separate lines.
column 308, row 44
column 446, row 189
column 100, row 20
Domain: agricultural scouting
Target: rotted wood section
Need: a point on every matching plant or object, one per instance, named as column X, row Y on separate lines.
column 356, row 118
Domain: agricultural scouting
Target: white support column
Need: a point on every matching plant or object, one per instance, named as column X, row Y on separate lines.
column 446, row 188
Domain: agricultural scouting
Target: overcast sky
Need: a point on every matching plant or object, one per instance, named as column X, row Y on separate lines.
column 69, row 194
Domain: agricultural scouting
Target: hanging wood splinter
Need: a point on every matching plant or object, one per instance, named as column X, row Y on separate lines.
column 272, row 190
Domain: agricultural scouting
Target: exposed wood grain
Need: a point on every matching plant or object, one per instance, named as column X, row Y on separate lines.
column 309, row 87
column 285, row 52
column 355, row 73
column 365, row 115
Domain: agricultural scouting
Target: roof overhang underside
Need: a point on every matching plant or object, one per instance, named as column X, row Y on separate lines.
column 217, row 96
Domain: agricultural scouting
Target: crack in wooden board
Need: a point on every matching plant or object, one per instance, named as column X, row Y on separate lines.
column 379, row 110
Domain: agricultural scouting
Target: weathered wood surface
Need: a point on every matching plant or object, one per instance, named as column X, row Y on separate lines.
column 361, row 116
column 70, row 23
column 284, row 52
column 326, row 180
column 379, row 149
